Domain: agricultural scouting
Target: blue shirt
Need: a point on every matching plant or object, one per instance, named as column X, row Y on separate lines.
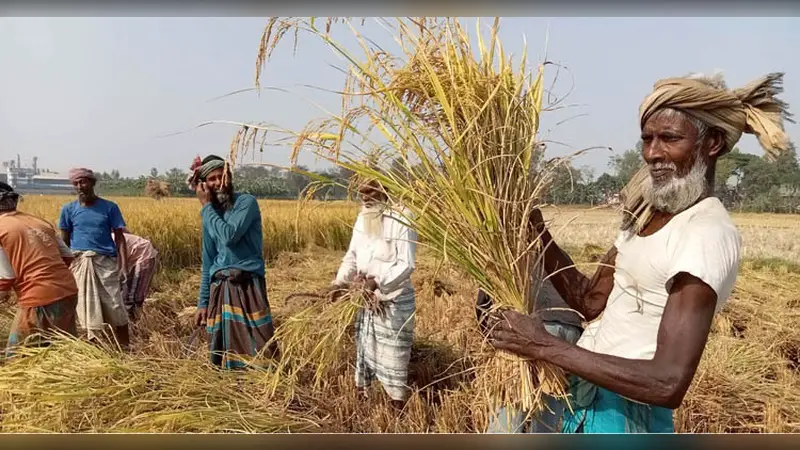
column 90, row 227
column 231, row 240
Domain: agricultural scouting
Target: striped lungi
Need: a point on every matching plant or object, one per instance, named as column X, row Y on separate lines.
column 58, row 316
column 383, row 345
column 598, row 410
column 99, row 293
column 239, row 322
column 138, row 283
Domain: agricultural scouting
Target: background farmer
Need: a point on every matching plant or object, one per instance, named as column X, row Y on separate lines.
column 34, row 263
column 381, row 258
column 233, row 304
column 100, row 265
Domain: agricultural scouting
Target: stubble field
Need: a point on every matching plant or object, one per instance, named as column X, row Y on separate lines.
column 749, row 379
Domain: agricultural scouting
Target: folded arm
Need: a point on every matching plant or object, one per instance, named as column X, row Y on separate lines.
column 231, row 229
column 209, row 253
column 348, row 268
column 587, row 295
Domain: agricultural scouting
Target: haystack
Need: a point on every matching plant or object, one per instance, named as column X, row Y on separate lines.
column 462, row 121
column 157, row 189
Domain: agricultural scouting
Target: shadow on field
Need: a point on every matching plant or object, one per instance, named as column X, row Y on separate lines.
column 435, row 367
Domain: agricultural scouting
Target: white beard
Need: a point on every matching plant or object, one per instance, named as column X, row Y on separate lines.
column 372, row 218
column 677, row 194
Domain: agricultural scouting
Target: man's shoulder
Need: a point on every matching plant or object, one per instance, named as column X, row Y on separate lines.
column 709, row 232
column 246, row 199
column 105, row 203
column 69, row 206
column 400, row 213
column 709, row 218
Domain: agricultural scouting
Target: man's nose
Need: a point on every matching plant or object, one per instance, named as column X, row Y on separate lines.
column 653, row 151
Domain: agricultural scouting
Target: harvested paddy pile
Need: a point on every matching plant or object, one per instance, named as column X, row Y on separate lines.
column 157, row 189
column 74, row 386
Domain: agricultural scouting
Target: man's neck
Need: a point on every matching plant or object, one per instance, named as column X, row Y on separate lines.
column 88, row 201
column 660, row 218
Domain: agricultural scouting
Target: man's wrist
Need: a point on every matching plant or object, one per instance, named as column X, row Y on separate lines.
column 549, row 346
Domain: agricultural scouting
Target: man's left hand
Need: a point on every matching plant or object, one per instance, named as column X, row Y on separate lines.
column 371, row 284
column 203, row 193
column 519, row 334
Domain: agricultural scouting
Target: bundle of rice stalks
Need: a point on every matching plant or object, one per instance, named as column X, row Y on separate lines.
column 462, row 123
column 157, row 189
column 74, row 386
column 314, row 341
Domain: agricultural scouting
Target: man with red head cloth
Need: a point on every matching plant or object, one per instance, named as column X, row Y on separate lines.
column 233, row 304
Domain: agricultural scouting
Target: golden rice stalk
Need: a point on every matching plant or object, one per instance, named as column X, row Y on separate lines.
column 74, row 386
column 461, row 122
column 317, row 337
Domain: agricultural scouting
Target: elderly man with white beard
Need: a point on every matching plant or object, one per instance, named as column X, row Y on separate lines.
column 380, row 259
column 651, row 303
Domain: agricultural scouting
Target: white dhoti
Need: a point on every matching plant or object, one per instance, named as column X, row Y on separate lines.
column 383, row 345
column 99, row 292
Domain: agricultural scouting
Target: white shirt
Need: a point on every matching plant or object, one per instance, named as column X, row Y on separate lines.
column 390, row 259
column 701, row 241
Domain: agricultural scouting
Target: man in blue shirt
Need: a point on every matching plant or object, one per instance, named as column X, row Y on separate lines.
column 233, row 302
column 87, row 225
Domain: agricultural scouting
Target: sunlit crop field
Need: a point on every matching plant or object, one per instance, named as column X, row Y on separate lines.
column 749, row 380
column 174, row 226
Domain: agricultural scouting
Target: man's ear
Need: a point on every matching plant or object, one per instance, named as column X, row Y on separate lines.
column 716, row 143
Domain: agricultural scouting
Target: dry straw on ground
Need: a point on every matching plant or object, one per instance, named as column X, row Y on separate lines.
column 461, row 121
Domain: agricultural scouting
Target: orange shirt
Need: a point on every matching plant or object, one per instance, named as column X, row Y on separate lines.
column 31, row 261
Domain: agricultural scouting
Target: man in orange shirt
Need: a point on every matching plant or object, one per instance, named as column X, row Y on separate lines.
column 34, row 262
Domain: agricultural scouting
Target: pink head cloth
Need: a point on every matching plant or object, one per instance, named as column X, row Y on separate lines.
column 76, row 174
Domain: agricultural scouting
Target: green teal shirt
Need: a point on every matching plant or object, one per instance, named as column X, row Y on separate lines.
column 231, row 240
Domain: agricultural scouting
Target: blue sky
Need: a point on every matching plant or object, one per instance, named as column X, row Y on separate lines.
column 99, row 92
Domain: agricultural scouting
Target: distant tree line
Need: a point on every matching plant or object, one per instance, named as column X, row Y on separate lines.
column 260, row 181
column 744, row 182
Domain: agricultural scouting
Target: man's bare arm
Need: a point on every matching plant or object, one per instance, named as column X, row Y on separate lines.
column 662, row 381
column 67, row 237
column 586, row 295
column 122, row 250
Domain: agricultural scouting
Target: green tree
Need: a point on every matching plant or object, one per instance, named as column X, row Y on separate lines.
column 626, row 165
